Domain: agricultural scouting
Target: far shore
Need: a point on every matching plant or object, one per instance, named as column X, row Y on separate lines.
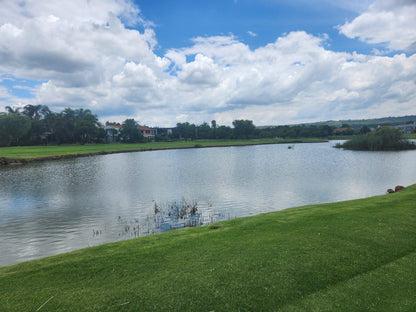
column 28, row 154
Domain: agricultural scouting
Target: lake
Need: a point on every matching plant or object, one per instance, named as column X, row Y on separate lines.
column 54, row 207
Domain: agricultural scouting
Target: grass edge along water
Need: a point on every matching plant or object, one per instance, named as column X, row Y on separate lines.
column 355, row 255
column 51, row 152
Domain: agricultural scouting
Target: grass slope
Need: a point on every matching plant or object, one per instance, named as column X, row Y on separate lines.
column 34, row 152
column 347, row 256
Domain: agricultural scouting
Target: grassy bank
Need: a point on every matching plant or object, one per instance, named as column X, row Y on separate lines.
column 340, row 137
column 410, row 136
column 36, row 152
column 347, row 256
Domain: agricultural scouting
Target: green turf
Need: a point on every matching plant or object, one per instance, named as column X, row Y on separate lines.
column 33, row 152
column 347, row 256
column 410, row 136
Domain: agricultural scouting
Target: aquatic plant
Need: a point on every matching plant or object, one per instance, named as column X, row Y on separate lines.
column 180, row 210
column 164, row 217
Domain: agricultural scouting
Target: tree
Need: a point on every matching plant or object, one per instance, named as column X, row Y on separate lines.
column 12, row 110
column 384, row 139
column 36, row 113
column 214, row 128
column 364, row 130
column 224, row 132
column 13, row 128
column 113, row 123
column 244, row 129
column 185, row 131
column 326, row 130
column 390, row 137
column 100, row 136
column 69, row 126
column 64, row 126
column 45, row 111
column 86, row 125
column 32, row 111
column 204, row 131
column 213, row 124
column 130, row 132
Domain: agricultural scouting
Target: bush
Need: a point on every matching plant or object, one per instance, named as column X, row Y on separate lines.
column 384, row 139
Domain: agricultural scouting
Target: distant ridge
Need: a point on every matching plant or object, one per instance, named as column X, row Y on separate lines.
column 358, row 123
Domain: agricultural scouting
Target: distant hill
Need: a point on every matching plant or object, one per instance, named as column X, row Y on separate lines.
column 358, row 123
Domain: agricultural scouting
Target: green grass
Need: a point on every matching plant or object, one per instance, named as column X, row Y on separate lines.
column 410, row 136
column 341, row 137
column 348, row 256
column 35, row 152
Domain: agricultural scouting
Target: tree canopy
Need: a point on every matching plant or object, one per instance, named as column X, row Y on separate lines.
column 130, row 132
column 37, row 124
column 244, row 129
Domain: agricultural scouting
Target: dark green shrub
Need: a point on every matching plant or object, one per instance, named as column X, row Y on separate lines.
column 384, row 139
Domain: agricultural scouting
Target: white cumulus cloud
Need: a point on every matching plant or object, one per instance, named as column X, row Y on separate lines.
column 389, row 22
column 202, row 71
column 84, row 54
column 74, row 43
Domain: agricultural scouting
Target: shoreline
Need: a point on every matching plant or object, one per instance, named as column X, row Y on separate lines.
column 331, row 256
column 6, row 161
column 215, row 226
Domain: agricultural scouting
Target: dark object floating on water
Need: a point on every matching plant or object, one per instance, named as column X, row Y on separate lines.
column 396, row 189
column 291, row 147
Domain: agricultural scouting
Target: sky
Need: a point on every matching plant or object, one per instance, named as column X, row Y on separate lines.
column 163, row 62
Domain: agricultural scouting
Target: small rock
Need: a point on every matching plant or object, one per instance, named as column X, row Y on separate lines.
column 398, row 188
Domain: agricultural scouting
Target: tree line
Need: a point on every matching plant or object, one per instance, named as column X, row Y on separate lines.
column 37, row 124
column 245, row 129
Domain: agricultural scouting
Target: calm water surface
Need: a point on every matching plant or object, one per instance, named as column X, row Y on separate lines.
column 55, row 207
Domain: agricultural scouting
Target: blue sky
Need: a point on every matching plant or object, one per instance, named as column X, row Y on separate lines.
column 178, row 21
column 163, row 62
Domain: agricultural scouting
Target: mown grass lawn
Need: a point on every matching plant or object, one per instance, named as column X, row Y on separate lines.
column 348, row 256
column 34, row 152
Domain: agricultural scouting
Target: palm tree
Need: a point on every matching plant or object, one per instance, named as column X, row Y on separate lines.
column 214, row 126
column 29, row 110
column 86, row 125
column 45, row 111
column 12, row 110
column 36, row 112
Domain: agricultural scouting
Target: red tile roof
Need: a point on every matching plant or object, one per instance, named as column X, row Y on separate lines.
column 341, row 129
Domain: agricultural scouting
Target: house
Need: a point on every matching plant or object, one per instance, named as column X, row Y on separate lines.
column 163, row 131
column 408, row 128
column 112, row 132
column 343, row 131
column 147, row 132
